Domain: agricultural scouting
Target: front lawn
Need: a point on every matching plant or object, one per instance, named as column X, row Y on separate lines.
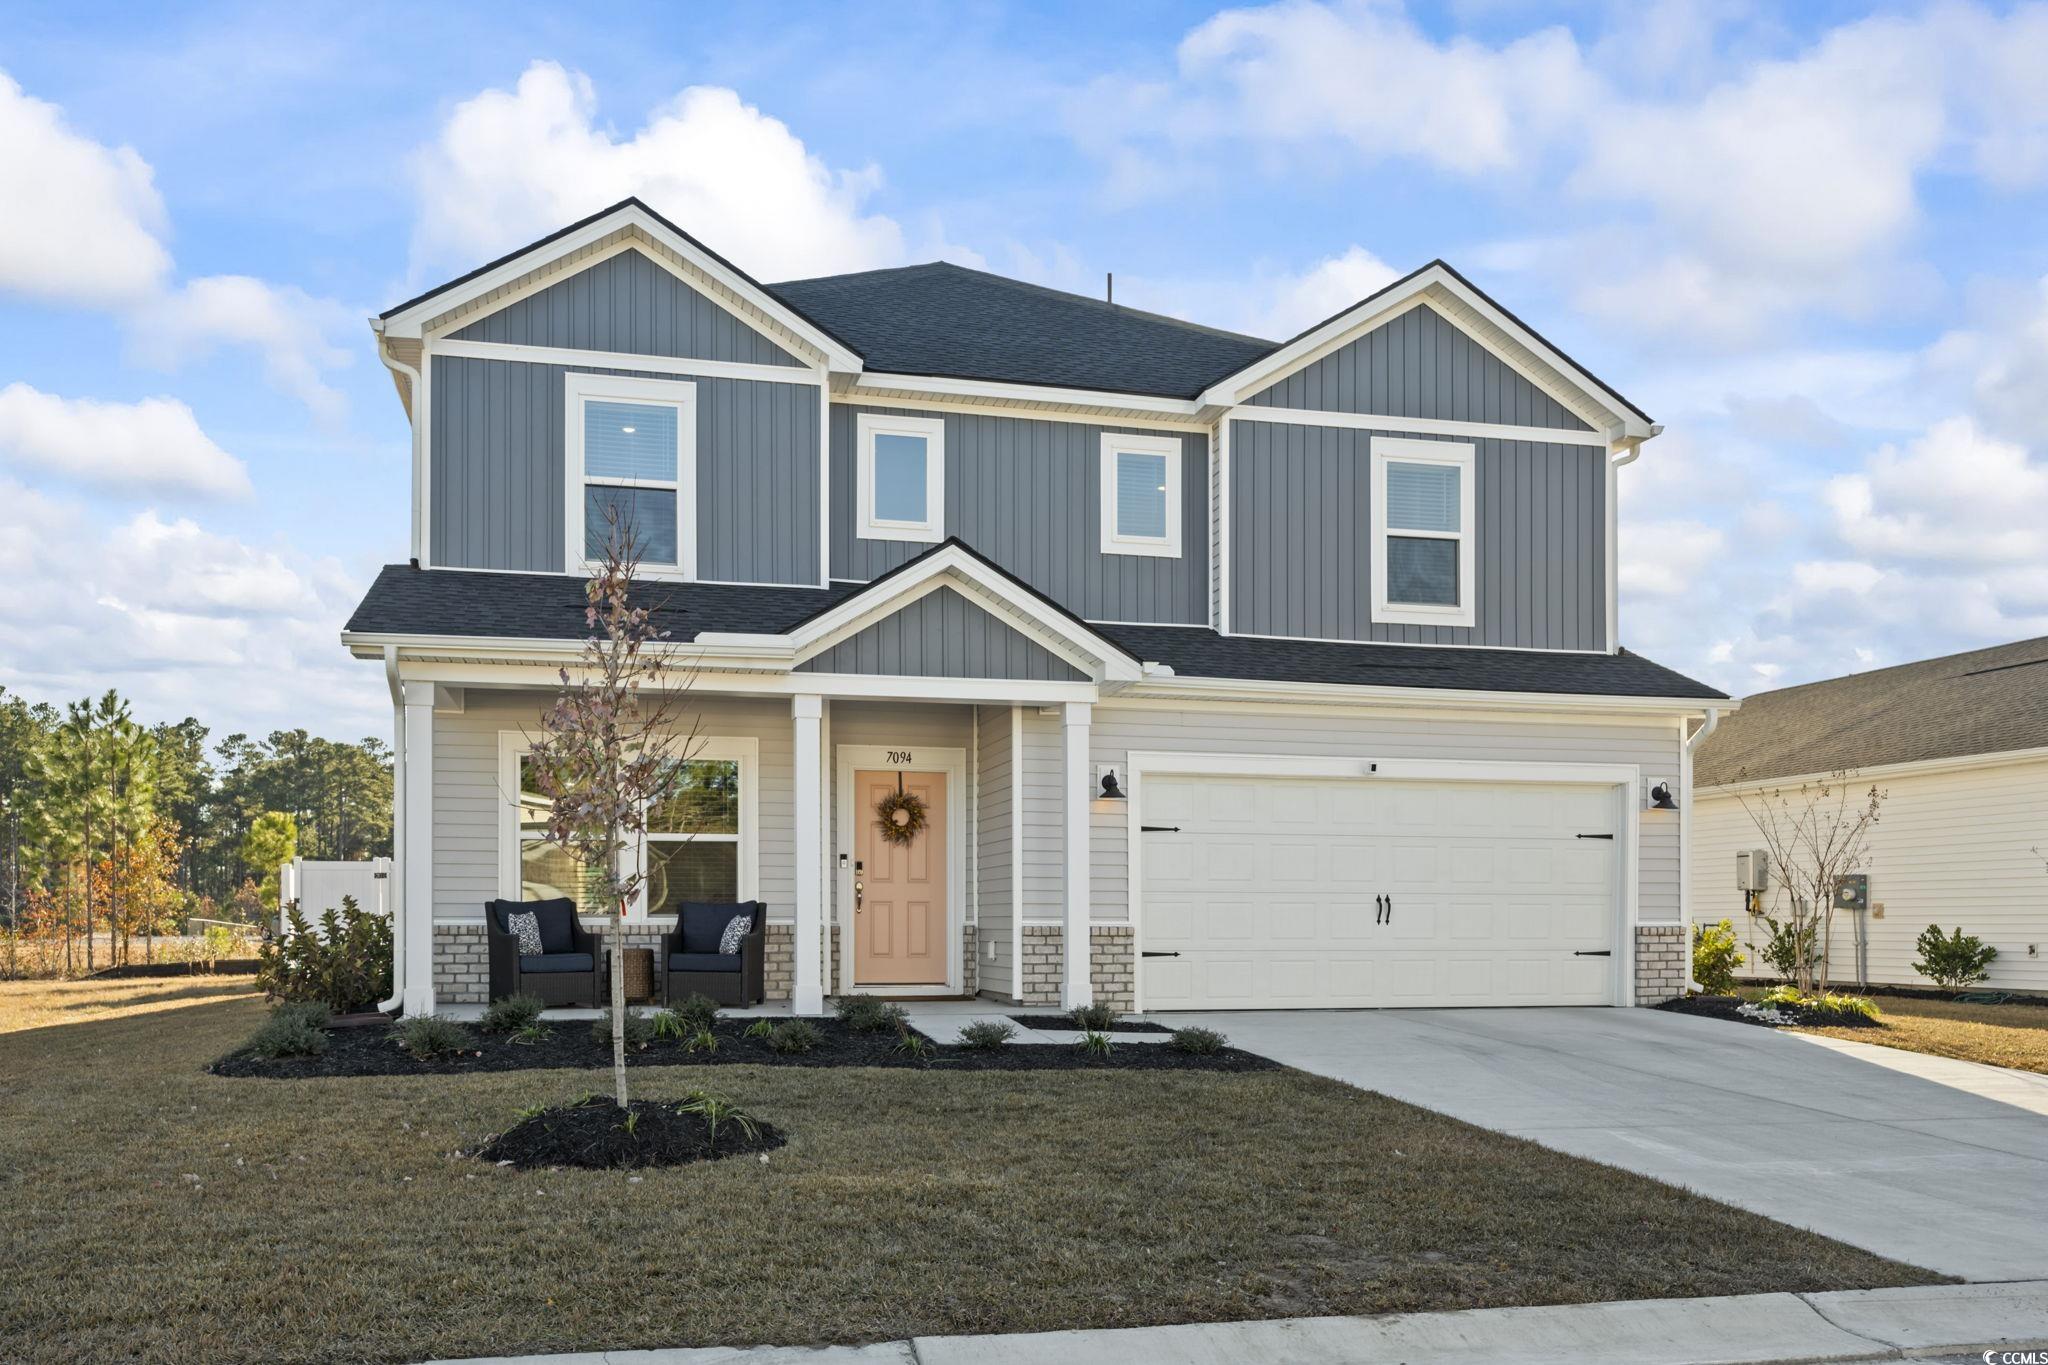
column 150, row 1211
column 2002, row 1035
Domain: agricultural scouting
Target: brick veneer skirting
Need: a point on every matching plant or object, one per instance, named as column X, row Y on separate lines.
column 1662, row 968
column 1112, row 968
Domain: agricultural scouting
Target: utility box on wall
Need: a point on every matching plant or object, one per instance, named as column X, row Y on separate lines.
column 1852, row 891
column 1752, row 870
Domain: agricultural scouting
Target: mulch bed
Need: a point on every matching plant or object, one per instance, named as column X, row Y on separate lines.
column 226, row 966
column 592, row 1134
column 1728, row 1007
column 1061, row 1023
column 370, row 1051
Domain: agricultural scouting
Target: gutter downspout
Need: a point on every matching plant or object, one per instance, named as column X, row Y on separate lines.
column 394, row 893
column 414, row 385
column 1634, row 448
column 1685, row 837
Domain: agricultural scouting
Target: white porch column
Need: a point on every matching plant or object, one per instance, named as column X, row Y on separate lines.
column 417, row 895
column 808, row 994
column 1076, row 781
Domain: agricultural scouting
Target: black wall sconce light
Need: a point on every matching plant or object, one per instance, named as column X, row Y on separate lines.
column 1660, row 797
column 1111, row 789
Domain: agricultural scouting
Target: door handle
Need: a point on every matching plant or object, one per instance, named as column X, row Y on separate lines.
column 859, row 890
column 1390, row 910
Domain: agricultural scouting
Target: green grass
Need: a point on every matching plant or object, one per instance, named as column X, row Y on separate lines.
column 151, row 1212
column 2010, row 1035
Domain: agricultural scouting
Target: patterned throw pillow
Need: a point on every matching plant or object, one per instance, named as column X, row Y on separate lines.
column 736, row 929
column 527, row 929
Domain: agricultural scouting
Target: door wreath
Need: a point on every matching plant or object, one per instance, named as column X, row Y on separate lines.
column 901, row 815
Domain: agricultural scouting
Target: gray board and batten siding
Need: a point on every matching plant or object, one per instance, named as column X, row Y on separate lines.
column 1419, row 364
column 499, row 433
column 1027, row 493
column 630, row 304
column 1301, row 554
column 943, row 635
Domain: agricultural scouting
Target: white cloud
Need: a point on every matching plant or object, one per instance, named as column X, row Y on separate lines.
column 183, row 620
column 83, row 221
column 1269, row 302
column 289, row 328
column 1666, row 558
column 152, row 445
column 512, row 165
column 1953, row 497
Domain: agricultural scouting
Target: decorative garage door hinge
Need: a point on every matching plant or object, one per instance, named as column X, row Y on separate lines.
column 1596, row 836
column 1159, row 829
column 1153, row 954
column 1602, row 952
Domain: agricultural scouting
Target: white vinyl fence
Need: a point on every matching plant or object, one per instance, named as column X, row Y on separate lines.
column 319, row 886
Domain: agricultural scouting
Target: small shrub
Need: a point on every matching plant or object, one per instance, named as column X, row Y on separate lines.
column 427, row 1036
column 794, row 1036
column 703, row 1040
column 1953, row 961
column 288, row 1033
column 700, row 1011
column 639, row 1030
column 760, row 1028
column 716, row 1111
column 914, row 1045
column 1715, row 957
column 512, row 1013
column 1094, row 1045
column 869, row 1013
column 343, row 962
column 530, row 1034
column 669, row 1026
column 986, row 1035
column 1825, row 1008
column 1095, row 1018
column 1789, row 945
column 314, row 1014
column 1198, row 1042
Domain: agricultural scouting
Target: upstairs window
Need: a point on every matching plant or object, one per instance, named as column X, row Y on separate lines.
column 1422, row 561
column 631, row 453
column 901, row 477
column 1141, row 495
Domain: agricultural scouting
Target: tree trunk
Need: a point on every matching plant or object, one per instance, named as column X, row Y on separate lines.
column 618, row 974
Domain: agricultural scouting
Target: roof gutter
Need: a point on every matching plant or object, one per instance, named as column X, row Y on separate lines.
column 1685, row 754
column 394, row 895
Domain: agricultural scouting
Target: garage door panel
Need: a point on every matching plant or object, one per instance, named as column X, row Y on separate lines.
column 1268, row 894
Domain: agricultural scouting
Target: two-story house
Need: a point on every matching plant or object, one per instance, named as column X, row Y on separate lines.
column 1231, row 673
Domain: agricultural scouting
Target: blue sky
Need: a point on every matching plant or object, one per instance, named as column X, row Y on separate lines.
column 1807, row 240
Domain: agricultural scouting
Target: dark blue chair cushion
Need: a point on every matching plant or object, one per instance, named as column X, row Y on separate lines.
column 558, row 962
column 557, row 920
column 703, row 962
column 704, row 924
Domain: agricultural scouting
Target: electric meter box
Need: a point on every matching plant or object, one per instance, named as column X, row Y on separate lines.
column 1852, row 891
column 1752, row 870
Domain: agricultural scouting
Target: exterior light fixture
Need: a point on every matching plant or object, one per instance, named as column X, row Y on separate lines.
column 1110, row 790
column 1660, row 797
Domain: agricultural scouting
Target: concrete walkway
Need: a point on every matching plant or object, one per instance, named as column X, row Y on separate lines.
column 1938, row 1163
column 1872, row 1325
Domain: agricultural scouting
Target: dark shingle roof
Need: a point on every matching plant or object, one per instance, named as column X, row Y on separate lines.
column 513, row 606
column 1983, row 702
column 952, row 322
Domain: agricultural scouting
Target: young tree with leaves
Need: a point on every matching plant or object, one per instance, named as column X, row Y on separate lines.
column 1816, row 833
column 272, row 841
column 612, row 746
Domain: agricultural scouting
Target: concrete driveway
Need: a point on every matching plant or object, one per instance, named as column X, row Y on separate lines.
column 1936, row 1163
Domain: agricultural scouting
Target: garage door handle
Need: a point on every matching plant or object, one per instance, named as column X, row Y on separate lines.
column 1158, row 954
column 1390, row 910
column 1604, row 952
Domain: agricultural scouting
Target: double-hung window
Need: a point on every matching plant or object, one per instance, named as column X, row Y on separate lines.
column 901, row 477
column 631, row 454
column 701, row 842
column 1141, row 495
column 1422, row 535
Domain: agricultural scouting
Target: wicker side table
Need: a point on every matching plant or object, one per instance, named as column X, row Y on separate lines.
column 639, row 975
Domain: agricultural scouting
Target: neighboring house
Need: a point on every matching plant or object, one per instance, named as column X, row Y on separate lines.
column 1959, row 746
column 1336, row 615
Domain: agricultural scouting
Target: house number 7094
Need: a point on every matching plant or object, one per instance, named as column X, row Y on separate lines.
column 899, row 755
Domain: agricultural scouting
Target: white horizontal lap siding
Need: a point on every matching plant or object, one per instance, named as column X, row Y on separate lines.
column 1118, row 731
column 992, row 862
column 1954, row 849
column 467, row 799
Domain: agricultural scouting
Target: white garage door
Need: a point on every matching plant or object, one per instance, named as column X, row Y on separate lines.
column 1290, row 893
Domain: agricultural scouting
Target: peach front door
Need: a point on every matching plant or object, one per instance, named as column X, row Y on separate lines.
column 899, row 921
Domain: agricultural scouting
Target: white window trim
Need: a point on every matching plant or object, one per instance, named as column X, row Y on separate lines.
column 867, row 526
column 1461, row 456
column 681, row 395
column 513, row 745
column 1115, row 543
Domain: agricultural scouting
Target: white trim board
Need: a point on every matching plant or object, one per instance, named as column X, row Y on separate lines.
column 1923, row 767
column 625, row 360
column 1428, row 426
column 1624, row 778
column 848, row 758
